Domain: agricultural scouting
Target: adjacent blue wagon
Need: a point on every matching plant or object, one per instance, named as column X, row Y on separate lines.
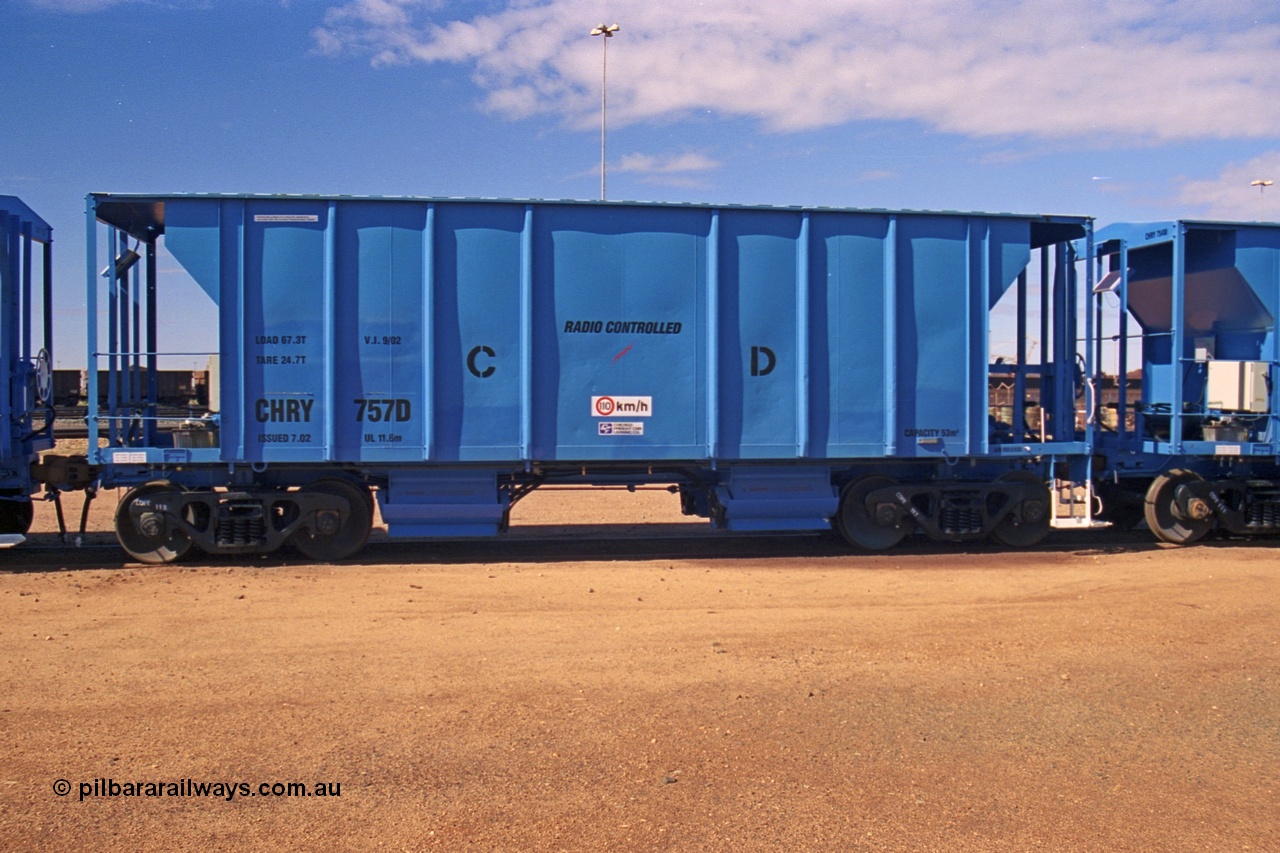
column 26, row 410
column 781, row 368
column 1193, row 307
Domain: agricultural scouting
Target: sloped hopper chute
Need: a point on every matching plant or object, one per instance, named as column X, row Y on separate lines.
column 1013, row 241
column 190, row 227
column 1218, row 297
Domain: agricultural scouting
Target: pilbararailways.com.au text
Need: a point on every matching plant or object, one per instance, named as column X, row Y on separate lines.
column 105, row 788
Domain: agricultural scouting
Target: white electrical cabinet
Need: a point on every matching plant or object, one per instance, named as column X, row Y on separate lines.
column 1238, row 386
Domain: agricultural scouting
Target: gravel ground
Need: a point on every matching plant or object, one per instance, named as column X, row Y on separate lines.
column 621, row 686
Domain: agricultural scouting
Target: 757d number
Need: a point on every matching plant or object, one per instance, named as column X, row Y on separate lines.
column 373, row 410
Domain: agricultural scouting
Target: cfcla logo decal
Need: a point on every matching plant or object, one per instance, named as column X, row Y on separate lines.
column 636, row 407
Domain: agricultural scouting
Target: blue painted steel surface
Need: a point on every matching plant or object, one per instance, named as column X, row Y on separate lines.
column 518, row 342
column 621, row 308
column 26, row 413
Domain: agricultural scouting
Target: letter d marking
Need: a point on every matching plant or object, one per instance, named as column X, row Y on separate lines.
column 770, row 361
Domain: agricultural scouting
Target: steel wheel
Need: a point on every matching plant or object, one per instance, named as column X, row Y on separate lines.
column 1162, row 514
column 156, row 543
column 1024, row 527
column 857, row 524
column 331, row 537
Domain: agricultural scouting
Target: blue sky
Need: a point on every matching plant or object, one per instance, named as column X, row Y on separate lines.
column 1119, row 109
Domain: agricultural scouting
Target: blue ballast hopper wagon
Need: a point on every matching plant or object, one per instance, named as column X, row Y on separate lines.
column 778, row 368
column 26, row 319
column 1193, row 305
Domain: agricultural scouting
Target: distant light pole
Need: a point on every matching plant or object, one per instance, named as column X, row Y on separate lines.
column 606, row 30
column 1262, row 189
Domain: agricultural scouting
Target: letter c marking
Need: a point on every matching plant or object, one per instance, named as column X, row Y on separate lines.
column 474, row 368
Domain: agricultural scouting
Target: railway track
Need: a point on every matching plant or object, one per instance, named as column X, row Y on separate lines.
column 70, row 423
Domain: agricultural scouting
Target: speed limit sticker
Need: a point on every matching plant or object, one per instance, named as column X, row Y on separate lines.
column 636, row 407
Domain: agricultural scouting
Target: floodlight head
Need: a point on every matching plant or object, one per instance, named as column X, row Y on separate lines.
column 606, row 30
column 1261, row 183
column 122, row 265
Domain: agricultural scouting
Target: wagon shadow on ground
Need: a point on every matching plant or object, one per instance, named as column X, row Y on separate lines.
column 548, row 544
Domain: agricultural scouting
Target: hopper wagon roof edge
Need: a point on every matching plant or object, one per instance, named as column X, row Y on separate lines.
column 142, row 214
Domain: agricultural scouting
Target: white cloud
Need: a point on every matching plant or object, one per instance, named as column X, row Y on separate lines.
column 673, row 170
column 1106, row 70
column 1230, row 196
column 671, row 165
